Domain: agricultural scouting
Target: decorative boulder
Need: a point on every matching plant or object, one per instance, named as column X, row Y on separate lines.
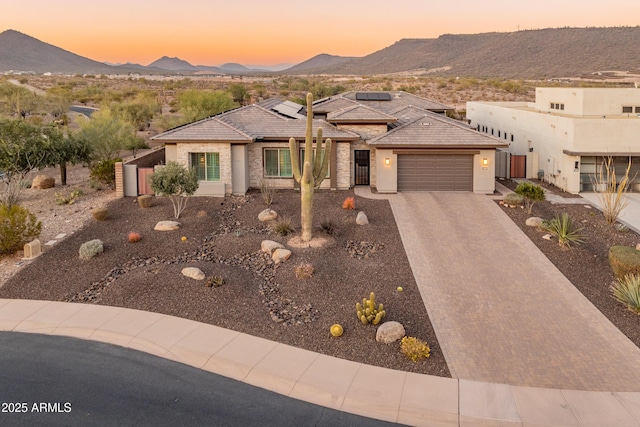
column 390, row 332
column 280, row 255
column 362, row 219
column 167, row 226
column 269, row 246
column 42, row 182
column 547, row 237
column 100, row 214
column 267, row 215
column 193, row 273
column 534, row 221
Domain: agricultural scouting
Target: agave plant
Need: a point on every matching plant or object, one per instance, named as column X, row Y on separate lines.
column 564, row 229
column 627, row 291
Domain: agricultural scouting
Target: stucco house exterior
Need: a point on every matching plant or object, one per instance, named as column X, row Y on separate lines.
column 394, row 141
column 567, row 132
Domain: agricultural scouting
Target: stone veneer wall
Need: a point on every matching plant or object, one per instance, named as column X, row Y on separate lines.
column 256, row 167
column 223, row 149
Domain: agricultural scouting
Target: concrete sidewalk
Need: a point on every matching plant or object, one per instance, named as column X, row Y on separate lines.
column 371, row 391
column 629, row 216
column 502, row 312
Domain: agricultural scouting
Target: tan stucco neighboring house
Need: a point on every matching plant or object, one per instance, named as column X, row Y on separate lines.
column 567, row 132
column 394, row 141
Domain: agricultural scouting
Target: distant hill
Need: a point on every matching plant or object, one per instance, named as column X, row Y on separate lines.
column 172, row 64
column 555, row 52
column 320, row 62
column 20, row 52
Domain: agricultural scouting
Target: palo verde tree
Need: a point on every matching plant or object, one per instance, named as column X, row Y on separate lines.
column 65, row 148
column 314, row 169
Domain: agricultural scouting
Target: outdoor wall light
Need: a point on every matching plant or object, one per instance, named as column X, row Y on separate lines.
column 485, row 162
column 387, row 161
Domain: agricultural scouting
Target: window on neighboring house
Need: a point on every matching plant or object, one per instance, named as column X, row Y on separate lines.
column 314, row 156
column 207, row 166
column 277, row 163
column 511, row 137
column 637, row 109
column 562, row 106
column 627, row 110
column 499, row 134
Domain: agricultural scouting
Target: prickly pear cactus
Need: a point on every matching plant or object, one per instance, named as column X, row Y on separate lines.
column 367, row 312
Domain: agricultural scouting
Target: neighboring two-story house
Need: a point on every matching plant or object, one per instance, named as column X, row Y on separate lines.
column 567, row 132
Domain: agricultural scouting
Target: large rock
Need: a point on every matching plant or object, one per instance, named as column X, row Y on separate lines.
column 280, row 255
column 362, row 219
column 390, row 332
column 42, row 182
column 193, row 273
column 167, row 226
column 534, row 221
column 269, row 246
column 267, row 215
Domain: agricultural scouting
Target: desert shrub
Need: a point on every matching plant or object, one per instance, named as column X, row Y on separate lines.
column 145, row 200
column 611, row 189
column 304, row 271
column 414, row 348
column 215, row 281
column 100, row 214
column 627, row 291
column 513, row 199
column 17, row 227
column 104, row 171
column 268, row 191
column 176, row 182
column 134, row 237
column 530, row 193
column 349, row 203
column 90, row 249
column 328, row 227
column 67, row 199
column 367, row 312
column 282, row 226
column 564, row 229
column 624, row 260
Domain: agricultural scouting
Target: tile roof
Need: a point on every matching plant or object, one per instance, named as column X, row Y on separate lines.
column 335, row 103
column 359, row 113
column 248, row 124
column 435, row 131
column 399, row 100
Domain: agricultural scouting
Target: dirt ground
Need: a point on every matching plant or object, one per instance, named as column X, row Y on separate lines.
column 223, row 239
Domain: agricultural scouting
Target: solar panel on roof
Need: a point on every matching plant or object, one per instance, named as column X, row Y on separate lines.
column 373, row 96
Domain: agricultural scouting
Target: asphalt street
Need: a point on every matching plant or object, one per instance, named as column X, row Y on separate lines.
column 55, row 381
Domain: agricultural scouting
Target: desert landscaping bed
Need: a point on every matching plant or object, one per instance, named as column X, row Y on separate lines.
column 223, row 237
column 586, row 265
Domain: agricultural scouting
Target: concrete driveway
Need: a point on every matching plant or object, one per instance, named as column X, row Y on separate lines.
column 501, row 310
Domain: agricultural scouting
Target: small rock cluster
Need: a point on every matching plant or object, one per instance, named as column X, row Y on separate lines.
column 363, row 250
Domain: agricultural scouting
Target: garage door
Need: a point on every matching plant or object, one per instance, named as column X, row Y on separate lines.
column 424, row 172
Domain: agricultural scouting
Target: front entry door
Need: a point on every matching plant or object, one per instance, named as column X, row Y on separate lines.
column 361, row 167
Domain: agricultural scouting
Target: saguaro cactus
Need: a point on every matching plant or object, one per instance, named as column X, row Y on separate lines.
column 313, row 170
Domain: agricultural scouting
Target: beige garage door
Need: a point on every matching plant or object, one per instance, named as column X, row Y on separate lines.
column 425, row 172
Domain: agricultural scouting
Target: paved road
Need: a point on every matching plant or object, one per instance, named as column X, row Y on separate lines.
column 501, row 310
column 74, row 382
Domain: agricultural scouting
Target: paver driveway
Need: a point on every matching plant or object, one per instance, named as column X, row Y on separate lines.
column 501, row 310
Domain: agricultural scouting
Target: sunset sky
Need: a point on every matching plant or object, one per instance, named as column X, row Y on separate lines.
column 212, row 32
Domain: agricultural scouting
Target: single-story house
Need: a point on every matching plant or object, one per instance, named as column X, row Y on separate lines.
column 567, row 133
column 394, row 141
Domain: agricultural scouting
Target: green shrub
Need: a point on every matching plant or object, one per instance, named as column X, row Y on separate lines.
column 624, row 260
column 100, row 214
column 328, row 227
column 17, row 227
column 627, row 291
column 215, row 281
column 513, row 199
column 414, row 348
column 91, row 248
column 145, row 200
column 564, row 229
column 530, row 193
column 304, row 271
column 104, row 171
column 282, row 226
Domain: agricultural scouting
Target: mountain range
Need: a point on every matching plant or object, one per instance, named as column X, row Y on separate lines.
column 553, row 52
